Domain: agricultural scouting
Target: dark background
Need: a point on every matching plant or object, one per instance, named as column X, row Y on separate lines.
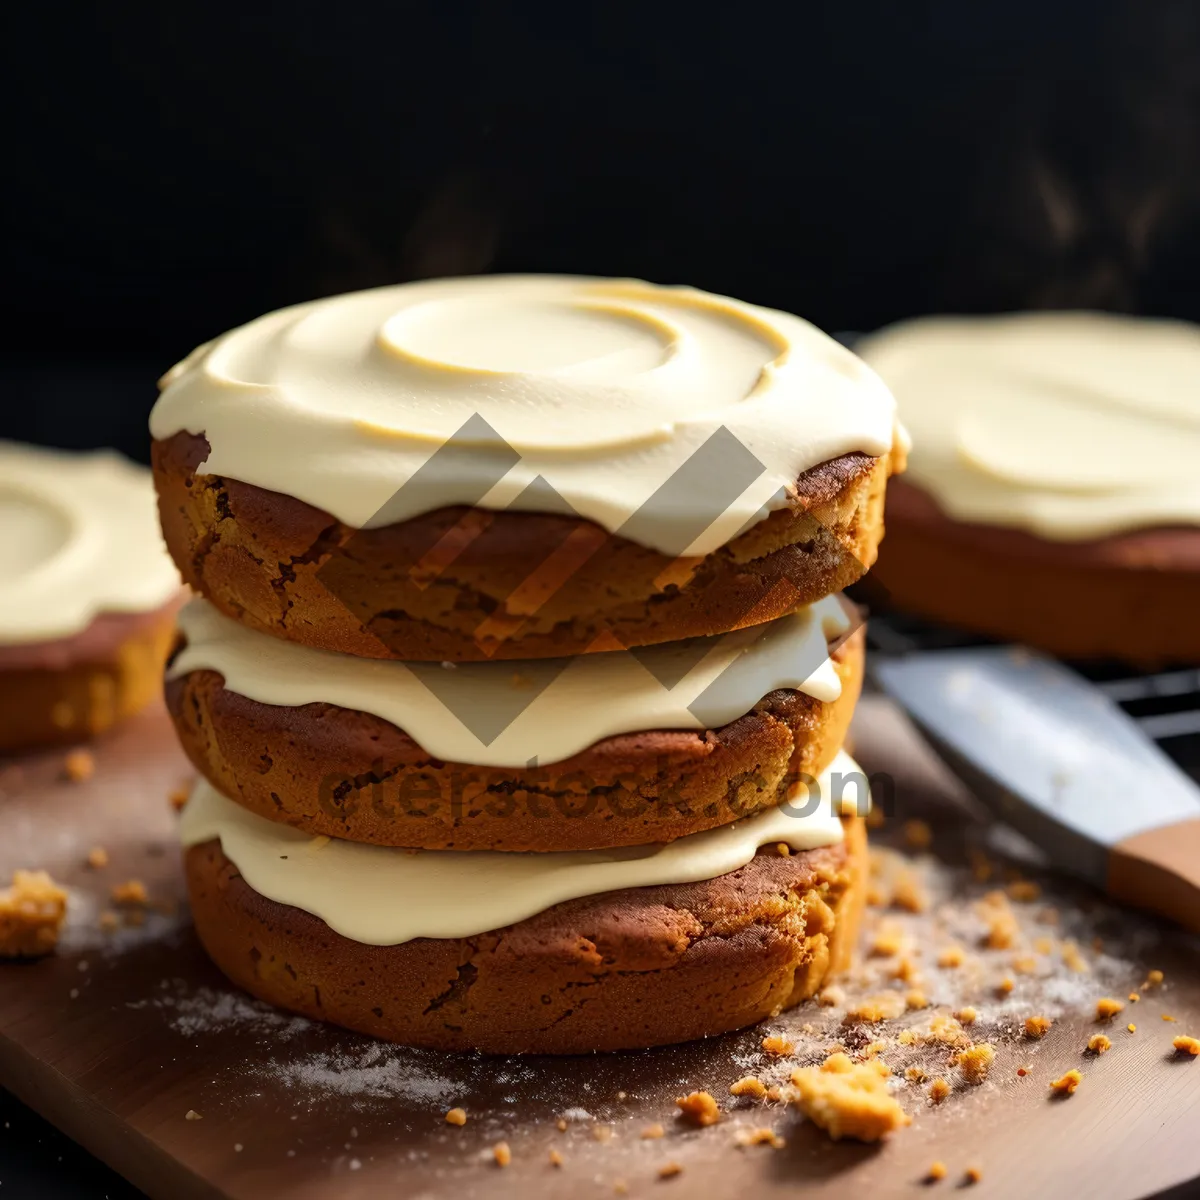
column 177, row 168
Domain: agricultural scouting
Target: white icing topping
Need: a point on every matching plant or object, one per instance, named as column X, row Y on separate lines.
column 79, row 536
column 509, row 714
column 381, row 896
column 602, row 389
column 1068, row 425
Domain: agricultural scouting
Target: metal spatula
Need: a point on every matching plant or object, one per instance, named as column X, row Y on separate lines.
column 1060, row 762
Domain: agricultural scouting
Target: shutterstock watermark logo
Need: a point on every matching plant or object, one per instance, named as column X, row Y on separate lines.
column 546, row 571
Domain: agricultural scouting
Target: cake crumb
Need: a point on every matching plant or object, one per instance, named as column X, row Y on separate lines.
column 1023, row 1071
column 653, row 1131
column 1098, row 1043
column 939, row 1089
column 1006, row 985
column 783, row 850
column 561, row 1125
column 972, row 1175
column 456, row 1116
column 79, row 766
column 1024, row 891
column 966, row 1016
column 699, row 1107
column 1187, row 1045
column 1003, row 928
column 1037, row 1026
column 1107, row 1008
column 32, row 911
column 1024, row 964
column 108, row 920
column 748, row 1086
column 976, row 1061
column 1131, row 1027
column 915, row 999
column 872, row 1009
column 132, row 891
column 502, row 1154
column 908, row 894
column 1066, row 1085
column 849, row 1099
column 914, row 1074
column 620, row 1187
column 1153, row 979
column 937, row 1171
column 951, row 956
column 1073, row 960
column 917, row 834
column 948, row 1031
column 889, row 940
column 1167, row 1017
column 602, row 1133
column 1134, row 997
column 177, row 798
column 908, row 1037
column 780, row 1046
column 556, row 1159
column 669, row 1170
column 97, row 858
column 832, row 996
column 192, row 1115
column 759, row 1137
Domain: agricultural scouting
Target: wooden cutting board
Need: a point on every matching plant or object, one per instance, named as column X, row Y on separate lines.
column 119, row 1035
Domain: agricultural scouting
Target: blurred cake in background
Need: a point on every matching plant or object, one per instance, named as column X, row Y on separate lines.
column 87, row 597
column 1052, row 494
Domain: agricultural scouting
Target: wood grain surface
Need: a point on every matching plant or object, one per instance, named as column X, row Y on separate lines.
column 123, row 1032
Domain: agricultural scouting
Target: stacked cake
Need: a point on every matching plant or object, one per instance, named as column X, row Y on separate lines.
column 518, row 676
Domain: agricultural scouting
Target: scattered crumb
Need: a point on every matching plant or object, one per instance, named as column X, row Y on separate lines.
column 1066, row 1085
column 620, row 1187
column 653, row 1131
column 937, row 1171
column 669, row 1170
column 889, row 940
column 1024, row 891
column 976, row 1061
column 760, row 1137
column 1098, row 1043
column 1153, row 979
column 832, row 996
column 917, row 834
column 79, row 765
column 783, row 850
column 456, row 1116
column 561, row 1125
column 1131, row 1027
column 192, row 1115
column 981, row 866
column 1024, row 964
column 602, row 1133
column 1107, row 1008
column 874, row 1049
column 1072, row 958
column 177, row 798
column 939, row 1089
column 872, row 1009
column 1023, row 1071
column 97, row 857
column 906, row 969
column 948, row 1031
column 1006, row 985
column 915, row 1000
column 502, row 1154
column 556, row 1159
column 699, row 1107
column 951, row 956
column 108, row 920
column 908, row 893
column 1043, row 945
column 966, row 1015
column 132, row 891
column 914, row 1074
column 908, row 1037
column 1167, row 1017
column 1003, row 928
column 1134, row 997
column 849, row 1099
column 1187, row 1045
column 32, row 911
column 1037, row 1026
column 777, row 1045
column 972, row 1175
column 749, row 1086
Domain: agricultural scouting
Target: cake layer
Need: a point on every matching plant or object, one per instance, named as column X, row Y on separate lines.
column 639, row 967
column 606, row 750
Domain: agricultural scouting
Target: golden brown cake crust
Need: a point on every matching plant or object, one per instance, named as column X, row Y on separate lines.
column 58, row 692
column 463, row 584
column 1127, row 597
column 347, row 774
column 623, row 970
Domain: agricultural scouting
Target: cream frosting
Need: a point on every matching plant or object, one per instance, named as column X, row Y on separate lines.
column 382, row 896
column 79, row 536
column 1069, row 425
column 602, row 389
column 514, row 714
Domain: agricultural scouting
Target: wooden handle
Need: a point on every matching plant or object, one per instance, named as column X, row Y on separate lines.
column 1160, row 871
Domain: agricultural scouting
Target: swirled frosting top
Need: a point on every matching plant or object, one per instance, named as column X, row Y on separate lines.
column 603, row 390
column 79, row 536
column 1069, row 425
